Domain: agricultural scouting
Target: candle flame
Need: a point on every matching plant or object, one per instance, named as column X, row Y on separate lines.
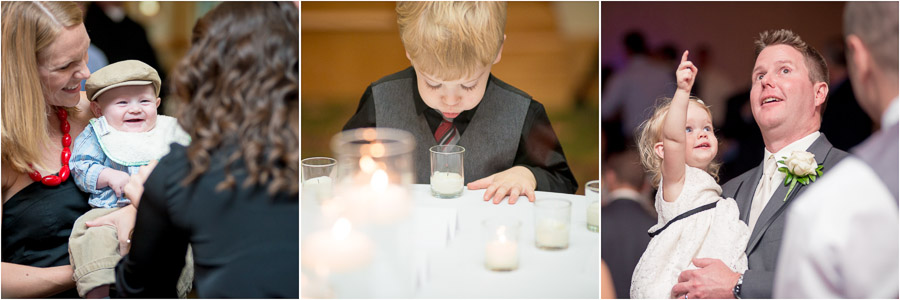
column 341, row 229
column 379, row 181
column 501, row 234
column 367, row 164
column 377, row 149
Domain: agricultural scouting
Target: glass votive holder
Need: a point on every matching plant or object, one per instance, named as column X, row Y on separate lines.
column 447, row 171
column 501, row 252
column 551, row 223
column 318, row 175
column 592, row 193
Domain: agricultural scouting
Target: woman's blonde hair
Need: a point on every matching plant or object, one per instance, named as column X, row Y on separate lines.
column 28, row 28
column 650, row 134
column 450, row 40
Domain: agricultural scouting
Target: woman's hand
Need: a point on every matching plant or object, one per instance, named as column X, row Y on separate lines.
column 514, row 182
column 123, row 221
column 135, row 187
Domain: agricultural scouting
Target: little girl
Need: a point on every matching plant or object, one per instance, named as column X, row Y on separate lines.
column 677, row 146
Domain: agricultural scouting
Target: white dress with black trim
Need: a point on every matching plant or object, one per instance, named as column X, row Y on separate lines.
column 717, row 232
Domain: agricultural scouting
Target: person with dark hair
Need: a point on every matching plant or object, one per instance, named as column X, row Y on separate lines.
column 633, row 90
column 845, row 123
column 624, row 218
column 233, row 193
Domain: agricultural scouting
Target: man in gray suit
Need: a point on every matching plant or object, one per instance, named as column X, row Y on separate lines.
column 787, row 98
column 832, row 248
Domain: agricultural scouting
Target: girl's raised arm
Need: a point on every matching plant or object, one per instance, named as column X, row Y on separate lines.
column 673, row 131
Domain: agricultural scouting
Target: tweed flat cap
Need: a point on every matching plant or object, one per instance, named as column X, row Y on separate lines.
column 126, row 72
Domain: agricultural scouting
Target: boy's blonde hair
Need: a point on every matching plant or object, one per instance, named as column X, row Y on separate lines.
column 449, row 40
column 650, row 134
column 28, row 29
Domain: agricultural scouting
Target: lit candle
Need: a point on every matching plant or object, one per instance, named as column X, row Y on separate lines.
column 320, row 188
column 593, row 216
column 379, row 201
column 447, row 183
column 552, row 234
column 501, row 254
column 339, row 250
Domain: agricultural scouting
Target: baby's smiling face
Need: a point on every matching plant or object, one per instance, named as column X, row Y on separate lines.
column 130, row 108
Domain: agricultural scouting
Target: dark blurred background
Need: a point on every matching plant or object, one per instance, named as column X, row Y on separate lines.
column 720, row 38
column 551, row 53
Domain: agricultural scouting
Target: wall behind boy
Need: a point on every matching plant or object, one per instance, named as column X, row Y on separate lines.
column 551, row 49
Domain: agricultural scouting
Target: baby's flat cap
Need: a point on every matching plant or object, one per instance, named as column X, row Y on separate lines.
column 126, row 72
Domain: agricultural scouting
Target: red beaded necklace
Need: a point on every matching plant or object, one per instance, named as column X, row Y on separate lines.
column 54, row 180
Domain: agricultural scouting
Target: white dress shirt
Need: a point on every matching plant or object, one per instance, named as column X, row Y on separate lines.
column 760, row 201
column 841, row 235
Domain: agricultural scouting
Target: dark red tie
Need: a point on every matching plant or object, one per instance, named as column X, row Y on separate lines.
column 446, row 133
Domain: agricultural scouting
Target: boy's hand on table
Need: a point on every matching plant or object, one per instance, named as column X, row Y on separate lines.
column 514, row 181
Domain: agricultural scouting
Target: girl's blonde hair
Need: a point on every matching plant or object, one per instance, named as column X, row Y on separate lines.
column 450, row 40
column 28, row 28
column 650, row 134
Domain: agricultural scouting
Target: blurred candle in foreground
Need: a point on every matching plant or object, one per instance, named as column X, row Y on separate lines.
column 340, row 249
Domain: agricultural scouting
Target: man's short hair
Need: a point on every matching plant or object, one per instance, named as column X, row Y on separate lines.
column 627, row 167
column 450, row 40
column 815, row 62
column 875, row 23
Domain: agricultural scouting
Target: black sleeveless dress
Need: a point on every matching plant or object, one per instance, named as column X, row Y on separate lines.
column 37, row 222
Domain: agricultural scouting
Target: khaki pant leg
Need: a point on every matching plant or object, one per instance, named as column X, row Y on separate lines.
column 186, row 280
column 93, row 252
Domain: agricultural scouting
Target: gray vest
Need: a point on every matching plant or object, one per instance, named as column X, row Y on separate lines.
column 880, row 152
column 491, row 138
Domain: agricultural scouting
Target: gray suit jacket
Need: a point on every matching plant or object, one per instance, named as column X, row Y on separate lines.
column 765, row 240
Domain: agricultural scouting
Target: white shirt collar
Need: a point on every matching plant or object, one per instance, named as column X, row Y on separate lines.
column 625, row 194
column 798, row 145
column 891, row 114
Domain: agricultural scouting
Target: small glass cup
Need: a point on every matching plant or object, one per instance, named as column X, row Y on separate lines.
column 318, row 175
column 551, row 223
column 592, row 193
column 501, row 252
column 447, row 171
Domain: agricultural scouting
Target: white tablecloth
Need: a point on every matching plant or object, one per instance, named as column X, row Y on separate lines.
column 448, row 249
column 457, row 269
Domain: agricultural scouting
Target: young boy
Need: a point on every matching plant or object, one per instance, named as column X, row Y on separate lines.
column 126, row 134
column 449, row 96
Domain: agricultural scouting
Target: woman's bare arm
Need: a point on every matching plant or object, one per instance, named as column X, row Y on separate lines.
column 20, row 281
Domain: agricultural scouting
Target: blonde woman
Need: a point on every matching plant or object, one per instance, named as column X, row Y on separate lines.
column 44, row 60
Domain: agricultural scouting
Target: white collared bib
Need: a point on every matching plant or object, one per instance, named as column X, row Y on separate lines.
column 139, row 148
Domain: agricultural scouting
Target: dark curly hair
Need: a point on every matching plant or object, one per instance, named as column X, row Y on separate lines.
column 239, row 86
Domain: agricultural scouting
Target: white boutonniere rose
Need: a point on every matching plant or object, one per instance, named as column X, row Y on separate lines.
column 799, row 167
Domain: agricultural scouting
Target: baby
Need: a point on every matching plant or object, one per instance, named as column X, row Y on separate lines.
column 126, row 134
column 677, row 146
